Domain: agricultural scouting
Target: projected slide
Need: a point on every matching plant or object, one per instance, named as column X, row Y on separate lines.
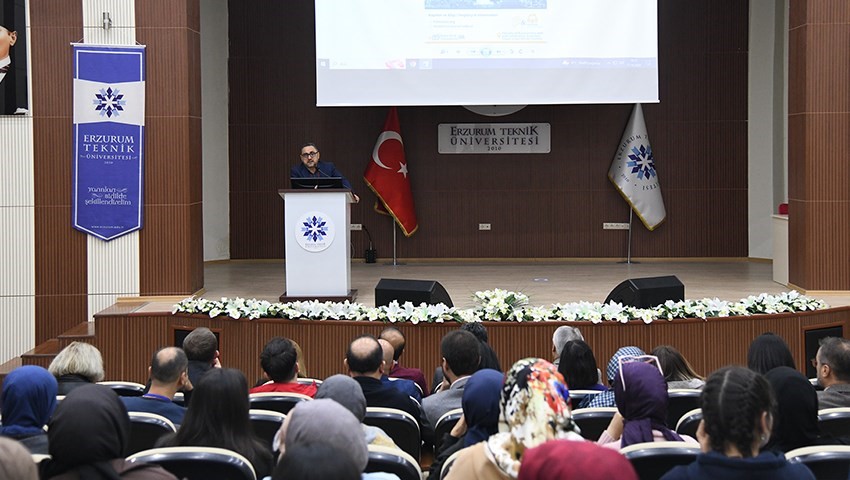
column 485, row 52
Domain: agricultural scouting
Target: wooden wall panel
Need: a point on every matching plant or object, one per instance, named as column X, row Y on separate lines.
column 698, row 134
column 708, row 344
column 60, row 251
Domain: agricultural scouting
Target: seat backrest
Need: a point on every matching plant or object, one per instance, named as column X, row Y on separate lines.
column 266, row 423
column 179, row 399
column 444, row 425
column 125, row 389
column 447, row 465
column 834, row 422
column 281, row 402
column 680, row 402
column 391, row 460
column 198, row 463
column 308, row 381
column 654, row 459
column 399, row 425
column 146, row 429
column 689, row 423
column 576, row 396
column 593, row 421
column 828, row 461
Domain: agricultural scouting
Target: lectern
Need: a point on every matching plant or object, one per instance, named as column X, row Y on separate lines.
column 317, row 235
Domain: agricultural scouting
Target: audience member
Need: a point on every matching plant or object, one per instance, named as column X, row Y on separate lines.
column 480, row 417
column 578, row 366
column 407, row 387
column 325, row 422
column 559, row 459
column 17, row 462
column 535, row 408
column 832, row 367
column 738, row 410
column 678, row 372
column 299, row 358
column 767, row 352
column 346, row 392
column 218, row 417
column 489, row 359
column 562, row 335
column 280, row 367
column 77, row 364
column 641, row 396
column 461, row 356
column 316, row 461
column 796, row 422
column 364, row 362
column 396, row 339
column 169, row 372
column 201, row 348
column 89, row 435
column 606, row 398
column 28, row 402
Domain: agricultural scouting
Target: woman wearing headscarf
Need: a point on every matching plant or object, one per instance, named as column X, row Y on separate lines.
column 16, row 462
column 606, row 398
column 480, row 419
column 561, row 459
column 88, row 436
column 535, row 408
column 28, row 399
column 347, row 392
column 796, row 423
column 640, row 392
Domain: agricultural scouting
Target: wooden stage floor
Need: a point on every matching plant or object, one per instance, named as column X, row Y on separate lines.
column 545, row 282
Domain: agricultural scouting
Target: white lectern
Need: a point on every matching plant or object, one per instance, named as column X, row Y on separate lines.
column 317, row 236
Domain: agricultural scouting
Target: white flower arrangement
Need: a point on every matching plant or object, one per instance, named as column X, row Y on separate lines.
column 501, row 306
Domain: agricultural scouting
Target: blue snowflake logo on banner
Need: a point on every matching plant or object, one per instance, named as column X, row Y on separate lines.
column 315, row 228
column 109, row 102
column 642, row 162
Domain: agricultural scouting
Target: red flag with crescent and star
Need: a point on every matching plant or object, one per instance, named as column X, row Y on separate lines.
column 387, row 176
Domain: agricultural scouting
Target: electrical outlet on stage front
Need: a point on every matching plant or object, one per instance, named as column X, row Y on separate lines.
column 483, row 226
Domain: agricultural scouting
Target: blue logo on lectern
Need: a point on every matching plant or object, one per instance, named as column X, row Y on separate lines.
column 315, row 228
column 315, row 231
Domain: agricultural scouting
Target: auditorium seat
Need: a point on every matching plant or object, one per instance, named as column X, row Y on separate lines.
column 179, row 399
column 834, row 422
column 444, row 425
column 652, row 460
column 281, row 402
column 576, row 396
column 681, row 401
column 308, row 381
column 266, row 423
column 827, row 461
column 198, row 463
column 146, row 429
column 593, row 421
column 399, row 425
column 447, row 465
column 689, row 423
column 125, row 389
column 418, row 387
column 391, row 460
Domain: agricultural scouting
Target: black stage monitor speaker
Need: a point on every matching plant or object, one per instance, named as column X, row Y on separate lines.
column 414, row 291
column 647, row 292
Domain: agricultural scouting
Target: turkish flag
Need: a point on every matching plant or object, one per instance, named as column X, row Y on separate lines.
column 387, row 176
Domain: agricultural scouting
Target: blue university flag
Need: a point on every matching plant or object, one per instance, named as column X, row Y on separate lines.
column 109, row 125
column 633, row 172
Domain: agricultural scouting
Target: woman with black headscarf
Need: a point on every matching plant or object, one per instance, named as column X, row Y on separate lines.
column 796, row 423
column 88, row 437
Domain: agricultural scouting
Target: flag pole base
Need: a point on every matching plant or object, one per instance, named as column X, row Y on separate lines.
column 630, row 262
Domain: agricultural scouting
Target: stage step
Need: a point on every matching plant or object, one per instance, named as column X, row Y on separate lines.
column 9, row 366
column 42, row 354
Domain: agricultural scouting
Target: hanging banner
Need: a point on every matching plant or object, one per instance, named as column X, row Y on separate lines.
column 109, row 123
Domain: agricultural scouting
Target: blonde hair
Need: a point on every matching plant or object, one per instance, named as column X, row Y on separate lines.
column 78, row 358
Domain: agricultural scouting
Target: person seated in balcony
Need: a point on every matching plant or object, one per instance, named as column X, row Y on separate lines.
column 169, row 373
column 77, row 364
column 677, row 370
column 397, row 340
column 29, row 399
column 279, row 360
column 832, row 367
column 641, row 396
column 739, row 411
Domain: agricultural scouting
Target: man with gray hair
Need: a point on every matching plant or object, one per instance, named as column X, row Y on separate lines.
column 832, row 367
column 169, row 372
column 562, row 335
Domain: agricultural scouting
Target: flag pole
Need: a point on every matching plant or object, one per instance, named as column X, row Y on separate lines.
column 395, row 258
column 629, row 251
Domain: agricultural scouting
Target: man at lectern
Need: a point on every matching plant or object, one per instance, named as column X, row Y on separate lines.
column 311, row 167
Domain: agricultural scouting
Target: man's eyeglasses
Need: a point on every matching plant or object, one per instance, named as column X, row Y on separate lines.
column 650, row 359
column 309, row 154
